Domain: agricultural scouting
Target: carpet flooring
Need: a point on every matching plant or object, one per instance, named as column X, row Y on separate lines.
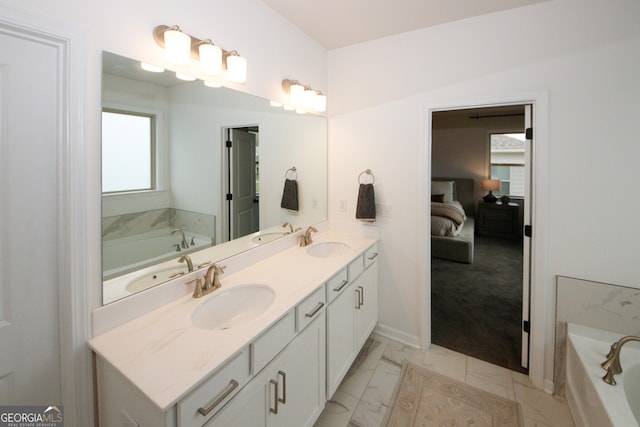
column 476, row 309
column 426, row 399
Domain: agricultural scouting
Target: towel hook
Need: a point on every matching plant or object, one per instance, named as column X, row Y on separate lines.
column 368, row 172
column 293, row 171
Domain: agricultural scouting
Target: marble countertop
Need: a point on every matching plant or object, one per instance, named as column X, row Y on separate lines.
column 166, row 357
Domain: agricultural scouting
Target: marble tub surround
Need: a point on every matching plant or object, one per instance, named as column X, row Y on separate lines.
column 597, row 305
column 365, row 404
column 118, row 226
column 166, row 357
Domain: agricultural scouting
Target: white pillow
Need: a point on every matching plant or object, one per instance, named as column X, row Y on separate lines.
column 443, row 187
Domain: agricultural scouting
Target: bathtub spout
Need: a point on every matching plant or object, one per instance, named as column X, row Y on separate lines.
column 612, row 364
column 184, row 242
column 186, row 258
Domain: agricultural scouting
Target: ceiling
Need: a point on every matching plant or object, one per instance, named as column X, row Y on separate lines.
column 339, row 23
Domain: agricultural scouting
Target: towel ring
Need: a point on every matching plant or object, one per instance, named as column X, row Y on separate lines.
column 368, row 172
column 293, row 171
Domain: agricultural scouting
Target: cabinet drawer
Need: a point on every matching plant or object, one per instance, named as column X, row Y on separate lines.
column 370, row 255
column 310, row 308
column 337, row 284
column 211, row 396
column 355, row 268
column 265, row 347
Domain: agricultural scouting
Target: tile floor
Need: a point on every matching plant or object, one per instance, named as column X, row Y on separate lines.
column 363, row 397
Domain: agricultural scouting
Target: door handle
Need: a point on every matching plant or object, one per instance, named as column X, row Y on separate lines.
column 361, row 296
column 358, row 304
column 272, row 410
column 233, row 384
column 284, row 387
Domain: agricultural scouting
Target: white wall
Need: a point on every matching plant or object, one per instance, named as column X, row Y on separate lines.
column 583, row 54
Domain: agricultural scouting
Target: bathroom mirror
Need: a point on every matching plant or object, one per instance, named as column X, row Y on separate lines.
column 180, row 206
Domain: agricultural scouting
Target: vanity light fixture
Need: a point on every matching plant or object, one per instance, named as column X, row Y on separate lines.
column 177, row 45
column 236, row 67
column 180, row 48
column 210, row 58
column 304, row 97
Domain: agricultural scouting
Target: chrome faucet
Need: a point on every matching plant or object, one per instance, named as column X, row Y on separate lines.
column 186, row 258
column 286, row 224
column 211, row 281
column 612, row 364
column 306, row 240
column 184, row 242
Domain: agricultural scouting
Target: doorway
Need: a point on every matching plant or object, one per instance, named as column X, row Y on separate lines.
column 481, row 308
column 242, row 166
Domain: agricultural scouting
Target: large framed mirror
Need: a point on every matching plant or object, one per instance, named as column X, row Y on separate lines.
column 194, row 174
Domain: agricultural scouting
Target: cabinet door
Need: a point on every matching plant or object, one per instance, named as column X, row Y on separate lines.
column 299, row 377
column 340, row 338
column 367, row 305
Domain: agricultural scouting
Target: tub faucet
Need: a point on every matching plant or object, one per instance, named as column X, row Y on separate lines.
column 186, row 258
column 612, row 364
column 184, row 242
column 306, row 240
column 286, row 224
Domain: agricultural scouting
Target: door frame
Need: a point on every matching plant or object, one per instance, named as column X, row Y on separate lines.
column 226, row 173
column 541, row 321
column 79, row 269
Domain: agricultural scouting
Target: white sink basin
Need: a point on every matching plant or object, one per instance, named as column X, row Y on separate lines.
column 231, row 307
column 153, row 278
column 267, row 237
column 328, row 249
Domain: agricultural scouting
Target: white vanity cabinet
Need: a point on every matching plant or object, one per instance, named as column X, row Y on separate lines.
column 160, row 371
column 351, row 315
column 289, row 391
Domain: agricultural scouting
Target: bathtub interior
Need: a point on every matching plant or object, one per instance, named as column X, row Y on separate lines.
column 592, row 401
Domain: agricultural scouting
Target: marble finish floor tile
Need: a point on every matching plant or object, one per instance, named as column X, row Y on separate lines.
column 338, row 411
column 365, row 393
column 356, row 380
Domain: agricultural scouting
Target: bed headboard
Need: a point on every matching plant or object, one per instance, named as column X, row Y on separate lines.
column 464, row 193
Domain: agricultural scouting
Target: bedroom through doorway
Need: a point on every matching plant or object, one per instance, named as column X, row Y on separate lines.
column 480, row 268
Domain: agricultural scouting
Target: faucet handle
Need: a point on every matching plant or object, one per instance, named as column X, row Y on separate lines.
column 197, row 291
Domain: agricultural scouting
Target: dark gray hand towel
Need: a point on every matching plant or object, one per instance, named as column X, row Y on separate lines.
column 290, row 195
column 366, row 209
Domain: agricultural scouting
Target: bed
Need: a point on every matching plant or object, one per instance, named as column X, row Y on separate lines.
column 449, row 240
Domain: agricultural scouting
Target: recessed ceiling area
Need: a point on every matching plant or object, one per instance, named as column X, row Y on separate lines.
column 339, row 23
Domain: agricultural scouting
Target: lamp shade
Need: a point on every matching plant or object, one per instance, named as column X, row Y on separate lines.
column 321, row 103
column 309, row 98
column 236, row 68
column 296, row 94
column 210, row 59
column 177, row 47
column 490, row 184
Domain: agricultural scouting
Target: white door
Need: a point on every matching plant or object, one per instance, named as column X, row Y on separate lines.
column 526, row 241
column 29, row 314
column 243, row 184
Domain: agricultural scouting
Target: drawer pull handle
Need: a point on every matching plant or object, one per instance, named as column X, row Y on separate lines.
column 341, row 286
column 284, row 388
column 233, row 384
column 373, row 256
column 361, row 296
column 272, row 410
column 315, row 311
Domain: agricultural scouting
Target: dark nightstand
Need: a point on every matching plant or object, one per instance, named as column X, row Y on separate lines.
column 498, row 220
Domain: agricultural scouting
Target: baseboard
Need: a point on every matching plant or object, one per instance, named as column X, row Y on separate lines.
column 548, row 386
column 397, row 335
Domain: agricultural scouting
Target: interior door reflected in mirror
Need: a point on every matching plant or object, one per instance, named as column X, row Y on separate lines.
column 194, row 174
